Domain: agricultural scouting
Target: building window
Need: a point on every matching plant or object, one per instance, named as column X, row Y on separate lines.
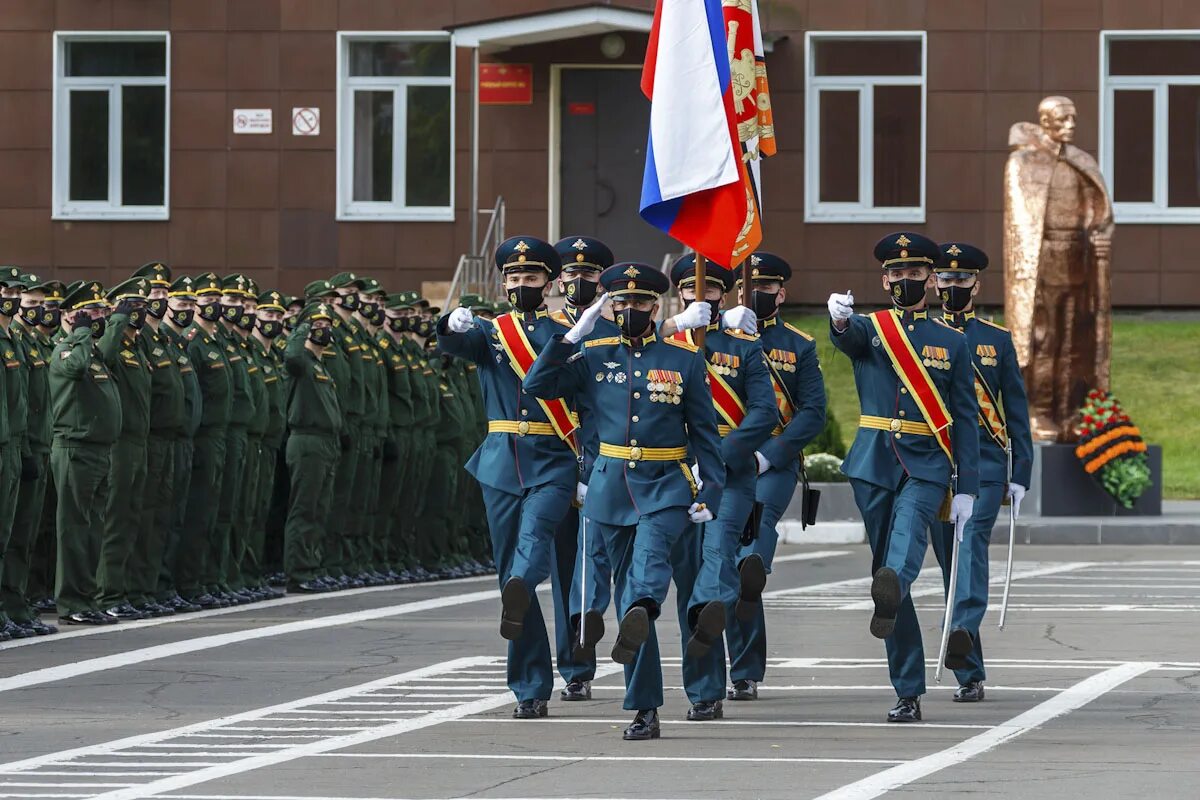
column 864, row 130
column 395, row 126
column 111, row 109
column 1150, row 137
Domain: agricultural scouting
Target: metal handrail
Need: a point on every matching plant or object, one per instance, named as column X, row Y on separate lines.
column 471, row 273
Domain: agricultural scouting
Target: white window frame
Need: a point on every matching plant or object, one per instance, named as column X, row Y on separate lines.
column 1157, row 211
column 62, row 207
column 864, row 210
column 349, row 210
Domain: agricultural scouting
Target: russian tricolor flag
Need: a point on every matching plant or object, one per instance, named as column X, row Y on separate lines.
column 696, row 186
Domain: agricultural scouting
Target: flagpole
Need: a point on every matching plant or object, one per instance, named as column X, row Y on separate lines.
column 746, row 289
column 701, row 290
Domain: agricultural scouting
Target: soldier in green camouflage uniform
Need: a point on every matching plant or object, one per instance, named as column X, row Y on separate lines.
column 14, row 456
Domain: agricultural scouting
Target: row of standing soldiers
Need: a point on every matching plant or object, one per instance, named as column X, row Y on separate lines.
column 175, row 444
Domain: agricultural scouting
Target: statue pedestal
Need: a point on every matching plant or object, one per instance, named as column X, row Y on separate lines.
column 1062, row 489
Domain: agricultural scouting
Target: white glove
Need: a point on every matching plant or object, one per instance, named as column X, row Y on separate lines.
column 961, row 508
column 586, row 321
column 841, row 306
column 461, row 320
column 741, row 318
column 696, row 476
column 1016, row 493
column 580, row 492
column 763, row 464
column 694, row 316
column 698, row 513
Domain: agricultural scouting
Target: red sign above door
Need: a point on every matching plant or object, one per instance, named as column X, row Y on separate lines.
column 505, row 84
column 581, row 109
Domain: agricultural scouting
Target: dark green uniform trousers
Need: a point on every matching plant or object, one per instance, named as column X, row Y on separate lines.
column 391, row 480
column 122, row 520
column 337, row 555
column 18, row 556
column 158, row 508
column 43, row 567
column 277, row 511
column 182, row 451
column 311, row 461
column 200, row 519
column 223, row 568
column 81, row 475
column 260, row 477
column 374, row 545
column 10, row 475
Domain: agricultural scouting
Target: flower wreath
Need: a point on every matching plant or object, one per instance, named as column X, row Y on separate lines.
column 1111, row 448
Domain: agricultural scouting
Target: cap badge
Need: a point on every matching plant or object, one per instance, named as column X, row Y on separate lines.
column 579, row 244
column 953, row 250
column 755, row 261
column 903, row 241
column 521, row 247
column 631, row 272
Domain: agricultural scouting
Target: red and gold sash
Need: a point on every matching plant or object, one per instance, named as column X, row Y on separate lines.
column 521, row 356
column 783, row 400
column 991, row 415
column 912, row 372
column 725, row 400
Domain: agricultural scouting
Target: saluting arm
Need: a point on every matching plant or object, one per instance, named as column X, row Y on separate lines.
column 1016, row 415
column 109, row 343
column 705, row 442
column 964, row 409
column 808, row 418
column 554, row 373
column 295, row 355
column 78, row 349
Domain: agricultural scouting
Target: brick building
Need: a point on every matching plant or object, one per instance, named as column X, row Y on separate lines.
column 137, row 129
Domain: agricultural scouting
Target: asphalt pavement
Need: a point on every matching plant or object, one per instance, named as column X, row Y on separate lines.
column 399, row 692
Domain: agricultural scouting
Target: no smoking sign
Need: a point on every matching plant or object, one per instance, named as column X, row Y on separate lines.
column 306, row 122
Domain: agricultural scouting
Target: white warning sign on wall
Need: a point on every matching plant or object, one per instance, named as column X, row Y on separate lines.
column 306, row 121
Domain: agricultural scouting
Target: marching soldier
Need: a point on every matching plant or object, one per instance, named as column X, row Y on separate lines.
column 38, row 312
column 800, row 399
column 706, row 570
column 526, row 464
column 124, row 521
column 198, row 546
column 1004, row 428
column 651, row 405
column 87, row 421
column 917, row 443
column 314, row 449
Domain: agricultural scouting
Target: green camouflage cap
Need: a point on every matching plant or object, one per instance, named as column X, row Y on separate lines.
column 397, row 300
column 158, row 273
column 272, row 300
column 345, row 280
column 13, row 277
column 501, row 307
column 236, row 284
column 372, row 287
column 207, row 284
column 315, row 311
column 85, row 295
column 54, row 290
column 318, row 289
column 183, row 287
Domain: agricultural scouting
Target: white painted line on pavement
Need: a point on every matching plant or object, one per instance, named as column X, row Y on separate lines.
column 1068, row 700
column 142, row 655
column 814, row 556
column 310, row 797
column 728, row 722
column 584, row 758
column 67, row 633
column 855, row 688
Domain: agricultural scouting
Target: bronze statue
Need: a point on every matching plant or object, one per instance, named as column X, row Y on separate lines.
column 1058, row 226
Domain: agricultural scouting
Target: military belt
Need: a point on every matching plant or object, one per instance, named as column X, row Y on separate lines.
column 522, row 428
column 643, row 453
column 894, row 425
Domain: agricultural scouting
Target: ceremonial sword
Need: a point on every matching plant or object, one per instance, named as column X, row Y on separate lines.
column 1012, row 534
column 959, row 525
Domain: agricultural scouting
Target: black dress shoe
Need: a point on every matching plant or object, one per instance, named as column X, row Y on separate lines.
column 514, row 605
column 45, row 605
column 743, row 690
column 15, row 631
column 885, row 591
column 753, row 574
column 123, row 613
column 959, row 645
column 38, row 627
column 577, row 690
column 593, row 632
column 632, row 633
column 270, row 593
column 706, row 711
column 79, row 618
column 710, row 624
column 907, row 709
column 4, row 637
column 308, row 587
column 205, row 601
column 970, row 692
column 531, row 709
column 100, row 618
column 644, row 727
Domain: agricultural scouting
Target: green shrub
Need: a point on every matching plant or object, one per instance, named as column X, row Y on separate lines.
column 824, row 468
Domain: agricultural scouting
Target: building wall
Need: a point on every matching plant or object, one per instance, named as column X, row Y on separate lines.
column 264, row 205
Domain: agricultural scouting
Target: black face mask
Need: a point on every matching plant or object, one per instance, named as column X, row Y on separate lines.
column 907, row 292
column 368, row 309
column 527, row 298
column 183, row 317
column 231, row 313
column 581, row 292
column 398, row 324
column 51, row 317
column 765, row 304
column 9, row 306
column 633, row 323
column 320, row 336
column 424, row 328
column 270, row 328
column 348, row 301
column 375, row 318
column 210, row 312
column 714, row 310
column 157, row 307
column 246, row 322
column 955, row 299
column 137, row 318
column 98, row 327
column 30, row 314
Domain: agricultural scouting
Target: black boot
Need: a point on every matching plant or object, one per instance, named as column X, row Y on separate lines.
column 706, row 711
column 970, row 692
column 885, row 591
column 959, row 645
column 593, row 632
column 577, row 690
column 644, row 726
column 743, row 690
column 633, row 632
column 753, row 575
column 514, row 604
column 907, row 709
column 710, row 624
column 531, row 709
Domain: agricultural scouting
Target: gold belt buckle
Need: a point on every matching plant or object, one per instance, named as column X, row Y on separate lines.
column 635, row 453
column 522, row 428
column 894, row 425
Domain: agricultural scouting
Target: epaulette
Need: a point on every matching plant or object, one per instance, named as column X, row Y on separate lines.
column 948, row 326
column 561, row 318
column 383, row 343
column 605, row 340
column 191, row 334
column 995, row 325
column 794, row 329
column 691, row 348
column 738, row 333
